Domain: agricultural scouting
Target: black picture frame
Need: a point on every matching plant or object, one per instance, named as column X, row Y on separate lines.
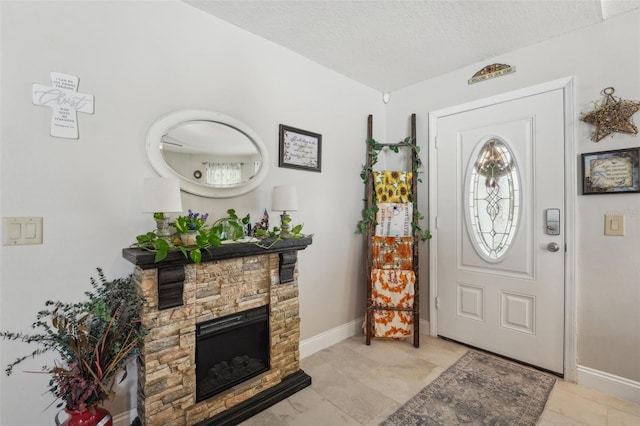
column 300, row 149
column 611, row 172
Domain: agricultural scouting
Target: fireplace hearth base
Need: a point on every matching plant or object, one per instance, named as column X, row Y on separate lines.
column 265, row 399
column 249, row 408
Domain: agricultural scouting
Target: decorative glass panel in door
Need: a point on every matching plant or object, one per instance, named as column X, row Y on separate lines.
column 492, row 198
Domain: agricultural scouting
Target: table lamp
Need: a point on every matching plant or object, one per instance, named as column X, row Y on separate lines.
column 284, row 198
column 161, row 195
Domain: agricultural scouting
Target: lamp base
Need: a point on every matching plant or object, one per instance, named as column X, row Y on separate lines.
column 285, row 227
column 163, row 229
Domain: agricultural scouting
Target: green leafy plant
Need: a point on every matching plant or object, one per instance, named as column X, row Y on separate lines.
column 151, row 242
column 366, row 174
column 161, row 247
column 205, row 239
column 269, row 238
column 95, row 339
column 191, row 222
column 230, row 227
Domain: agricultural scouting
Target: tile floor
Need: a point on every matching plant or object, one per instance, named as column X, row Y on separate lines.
column 356, row 384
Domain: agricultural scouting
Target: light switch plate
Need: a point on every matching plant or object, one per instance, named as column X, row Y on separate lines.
column 22, row 230
column 614, row 224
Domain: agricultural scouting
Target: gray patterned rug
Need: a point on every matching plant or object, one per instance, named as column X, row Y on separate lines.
column 479, row 389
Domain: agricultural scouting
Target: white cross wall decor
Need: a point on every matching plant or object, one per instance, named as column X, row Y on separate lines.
column 66, row 102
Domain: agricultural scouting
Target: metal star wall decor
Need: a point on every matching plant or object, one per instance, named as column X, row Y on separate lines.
column 612, row 115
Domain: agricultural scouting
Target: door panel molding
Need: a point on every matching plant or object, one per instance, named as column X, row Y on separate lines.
column 570, row 185
column 518, row 312
column 470, row 301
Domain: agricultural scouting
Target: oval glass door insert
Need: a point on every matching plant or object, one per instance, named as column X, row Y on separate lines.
column 492, row 198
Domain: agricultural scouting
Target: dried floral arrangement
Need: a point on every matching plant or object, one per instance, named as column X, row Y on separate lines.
column 95, row 339
column 612, row 115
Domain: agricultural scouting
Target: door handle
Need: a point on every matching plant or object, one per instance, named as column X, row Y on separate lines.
column 553, row 247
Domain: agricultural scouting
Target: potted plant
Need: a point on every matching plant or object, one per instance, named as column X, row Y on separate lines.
column 94, row 339
column 189, row 226
column 231, row 227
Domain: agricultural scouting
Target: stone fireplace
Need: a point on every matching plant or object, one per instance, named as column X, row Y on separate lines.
column 244, row 296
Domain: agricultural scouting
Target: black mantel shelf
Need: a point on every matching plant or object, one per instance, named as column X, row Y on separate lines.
column 171, row 270
column 145, row 259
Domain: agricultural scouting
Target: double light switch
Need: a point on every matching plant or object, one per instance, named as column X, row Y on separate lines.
column 22, row 230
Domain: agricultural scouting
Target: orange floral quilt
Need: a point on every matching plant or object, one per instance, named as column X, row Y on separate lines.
column 394, row 288
column 392, row 252
column 392, row 324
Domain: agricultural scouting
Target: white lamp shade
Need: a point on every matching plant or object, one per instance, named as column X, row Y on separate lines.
column 161, row 195
column 285, row 198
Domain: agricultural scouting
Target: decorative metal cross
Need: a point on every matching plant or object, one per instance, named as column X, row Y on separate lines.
column 66, row 102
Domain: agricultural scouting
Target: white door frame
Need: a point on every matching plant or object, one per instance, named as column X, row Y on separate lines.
column 571, row 193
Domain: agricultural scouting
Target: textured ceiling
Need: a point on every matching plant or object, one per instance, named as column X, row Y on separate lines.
column 393, row 44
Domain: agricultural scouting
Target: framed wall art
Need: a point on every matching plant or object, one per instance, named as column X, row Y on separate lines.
column 610, row 172
column 300, row 149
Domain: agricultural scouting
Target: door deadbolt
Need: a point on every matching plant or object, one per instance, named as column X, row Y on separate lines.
column 553, row 221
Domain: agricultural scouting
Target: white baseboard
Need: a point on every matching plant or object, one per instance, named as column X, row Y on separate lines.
column 424, row 327
column 609, row 384
column 125, row 419
column 330, row 337
column 335, row 335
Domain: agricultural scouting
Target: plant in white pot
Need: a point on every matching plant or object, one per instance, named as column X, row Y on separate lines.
column 188, row 227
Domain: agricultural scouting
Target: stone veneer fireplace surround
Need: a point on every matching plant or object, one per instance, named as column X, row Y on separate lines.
column 179, row 295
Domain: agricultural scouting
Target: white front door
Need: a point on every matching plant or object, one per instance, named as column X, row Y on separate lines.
column 499, row 273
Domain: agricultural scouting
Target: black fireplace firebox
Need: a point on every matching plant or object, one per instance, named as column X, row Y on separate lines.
column 230, row 350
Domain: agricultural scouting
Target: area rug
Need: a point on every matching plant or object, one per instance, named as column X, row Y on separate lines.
column 479, row 389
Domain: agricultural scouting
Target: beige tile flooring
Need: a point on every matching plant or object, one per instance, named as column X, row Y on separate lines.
column 356, row 384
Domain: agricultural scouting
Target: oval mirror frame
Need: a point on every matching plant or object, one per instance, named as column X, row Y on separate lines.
column 162, row 126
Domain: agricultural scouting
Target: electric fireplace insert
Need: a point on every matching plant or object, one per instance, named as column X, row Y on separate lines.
column 230, row 350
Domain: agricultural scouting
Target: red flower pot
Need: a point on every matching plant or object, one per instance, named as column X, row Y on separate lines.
column 94, row 416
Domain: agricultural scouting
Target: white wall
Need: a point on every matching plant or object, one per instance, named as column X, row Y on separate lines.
column 142, row 60
column 607, row 270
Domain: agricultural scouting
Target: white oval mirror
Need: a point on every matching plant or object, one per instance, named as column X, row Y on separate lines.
column 211, row 154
